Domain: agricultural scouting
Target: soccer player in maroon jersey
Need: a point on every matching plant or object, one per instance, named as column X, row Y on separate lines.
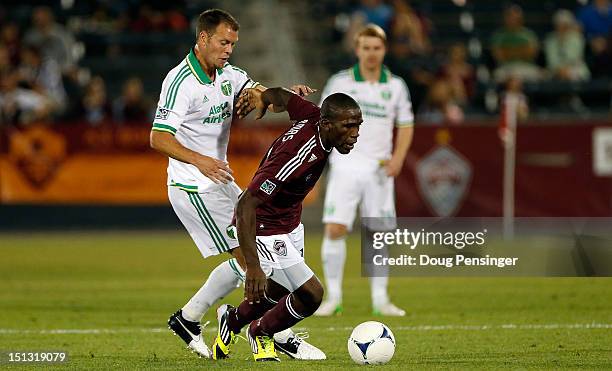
column 280, row 289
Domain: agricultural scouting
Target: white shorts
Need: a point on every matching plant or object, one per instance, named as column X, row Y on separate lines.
column 374, row 192
column 281, row 257
column 207, row 216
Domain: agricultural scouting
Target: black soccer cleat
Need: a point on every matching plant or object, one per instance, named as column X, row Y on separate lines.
column 190, row 332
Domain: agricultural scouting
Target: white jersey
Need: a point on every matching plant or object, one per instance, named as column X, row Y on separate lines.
column 199, row 113
column 384, row 104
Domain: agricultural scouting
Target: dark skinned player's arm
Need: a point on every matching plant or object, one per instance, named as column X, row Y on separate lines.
column 278, row 97
column 274, row 98
column 255, row 281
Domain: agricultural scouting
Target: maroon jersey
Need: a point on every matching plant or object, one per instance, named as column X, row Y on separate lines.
column 290, row 169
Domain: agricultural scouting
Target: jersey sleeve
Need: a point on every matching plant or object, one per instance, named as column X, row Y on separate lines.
column 240, row 80
column 173, row 104
column 283, row 163
column 403, row 114
column 300, row 109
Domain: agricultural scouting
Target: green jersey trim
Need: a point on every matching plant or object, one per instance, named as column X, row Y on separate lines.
column 196, row 69
column 163, row 127
column 404, row 124
column 185, row 187
column 384, row 74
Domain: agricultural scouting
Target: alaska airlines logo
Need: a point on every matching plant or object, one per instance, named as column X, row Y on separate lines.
column 218, row 114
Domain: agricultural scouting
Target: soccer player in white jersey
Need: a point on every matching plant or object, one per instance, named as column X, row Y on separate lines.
column 365, row 176
column 192, row 126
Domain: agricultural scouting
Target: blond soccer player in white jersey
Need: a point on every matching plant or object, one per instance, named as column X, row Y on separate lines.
column 365, row 177
column 192, row 126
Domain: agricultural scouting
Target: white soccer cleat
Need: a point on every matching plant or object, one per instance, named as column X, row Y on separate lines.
column 329, row 308
column 388, row 309
column 296, row 346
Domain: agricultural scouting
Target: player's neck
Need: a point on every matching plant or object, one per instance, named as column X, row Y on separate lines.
column 370, row 74
column 325, row 141
column 208, row 70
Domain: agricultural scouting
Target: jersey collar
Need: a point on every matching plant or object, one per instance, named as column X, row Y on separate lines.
column 384, row 74
column 196, row 69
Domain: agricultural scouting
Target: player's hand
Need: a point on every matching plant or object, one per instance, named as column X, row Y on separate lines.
column 216, row 170
column 393, row 167
column 254, row 284
column 302, row 90
column 249, row 100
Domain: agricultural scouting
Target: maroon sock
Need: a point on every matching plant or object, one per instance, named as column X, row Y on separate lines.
column 277, row 319
column 245, row 313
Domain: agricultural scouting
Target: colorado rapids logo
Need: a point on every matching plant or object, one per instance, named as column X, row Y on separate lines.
column 443, row 177
column 280, row 248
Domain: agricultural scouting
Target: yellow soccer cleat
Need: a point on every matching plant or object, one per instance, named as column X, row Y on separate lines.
column 262, row 348
column 225, row 337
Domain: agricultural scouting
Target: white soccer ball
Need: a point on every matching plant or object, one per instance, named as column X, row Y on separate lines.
column 371, row 343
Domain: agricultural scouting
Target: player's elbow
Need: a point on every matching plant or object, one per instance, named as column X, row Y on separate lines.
column 156, row 139
column 246, row 205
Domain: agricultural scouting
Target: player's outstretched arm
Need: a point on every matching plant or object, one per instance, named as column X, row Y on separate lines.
column 255, row 281
column 218, row 171
column 273, row 98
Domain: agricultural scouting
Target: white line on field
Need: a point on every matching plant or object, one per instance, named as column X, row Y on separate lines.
column 508, row 326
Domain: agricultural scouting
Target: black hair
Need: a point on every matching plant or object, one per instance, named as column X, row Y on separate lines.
column 336, row 104
column 211, row 18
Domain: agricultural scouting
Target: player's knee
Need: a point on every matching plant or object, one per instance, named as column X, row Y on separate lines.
column 335, row 231
column 312, row 296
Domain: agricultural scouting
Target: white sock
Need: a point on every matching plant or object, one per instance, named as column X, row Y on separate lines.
column 333, row 254
column 221, row 281
column 378, row 287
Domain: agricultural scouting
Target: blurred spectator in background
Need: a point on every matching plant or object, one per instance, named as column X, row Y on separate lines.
column 596, row 21
column 94, row 107
column 148, row 20
column 515, row 48
column 132, row 106
column 43, row 76
column 368, row 11
column 377, row 12
column 51, row 38
column 102, row 20
column 409, row 32
column 564, row 49
column 458, row 74
column 9, row 37
column 19, row 105
column 5, row 59
column 176, row 20
column 439, row 106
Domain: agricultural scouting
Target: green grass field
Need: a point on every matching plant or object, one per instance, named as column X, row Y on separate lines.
column 105, row 297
